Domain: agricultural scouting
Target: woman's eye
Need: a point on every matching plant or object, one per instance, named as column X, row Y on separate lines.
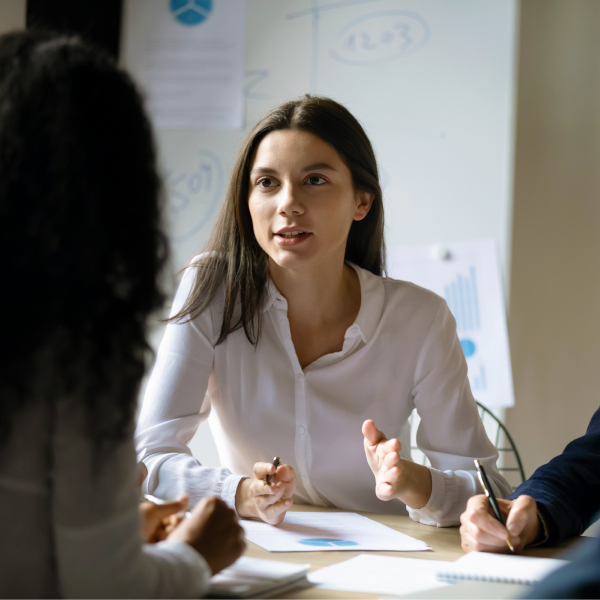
column 266, row 183
column 316, row 180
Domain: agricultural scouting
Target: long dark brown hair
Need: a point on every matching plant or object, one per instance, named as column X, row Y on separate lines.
column 233, row 260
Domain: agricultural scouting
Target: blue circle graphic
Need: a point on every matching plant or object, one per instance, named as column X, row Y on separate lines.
column 468, row 347
column 191, row 12
column 327, row 542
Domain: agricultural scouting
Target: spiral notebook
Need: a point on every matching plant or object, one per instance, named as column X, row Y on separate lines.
column 502, row 568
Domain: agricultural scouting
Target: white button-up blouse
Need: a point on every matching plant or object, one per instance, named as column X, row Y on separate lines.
column 401, row 353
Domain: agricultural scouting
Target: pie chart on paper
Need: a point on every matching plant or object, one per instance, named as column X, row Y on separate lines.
column 327, row 542
column 191, row 12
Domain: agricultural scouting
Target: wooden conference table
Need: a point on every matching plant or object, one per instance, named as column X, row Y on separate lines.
column 444, row 543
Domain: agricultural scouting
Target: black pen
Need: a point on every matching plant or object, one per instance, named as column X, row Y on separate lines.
column 276, row 462
column 487, row 488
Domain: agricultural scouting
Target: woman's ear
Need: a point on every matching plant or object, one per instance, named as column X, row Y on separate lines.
column 364, row 200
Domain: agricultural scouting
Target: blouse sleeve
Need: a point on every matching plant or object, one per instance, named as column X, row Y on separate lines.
column 175, row 405
column 442, row 396
column 99, row 551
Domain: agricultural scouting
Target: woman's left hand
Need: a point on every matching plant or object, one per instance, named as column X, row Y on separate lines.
column 158, row 520
column 395, row 477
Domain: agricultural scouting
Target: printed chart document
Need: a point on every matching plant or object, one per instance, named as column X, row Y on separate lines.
column 380, row 575
column 188, row 56
column 311, row 531
column 467, row 276
column 483, row 566
column 252, row 577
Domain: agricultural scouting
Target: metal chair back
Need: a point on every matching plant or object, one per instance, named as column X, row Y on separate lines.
column 509, row 462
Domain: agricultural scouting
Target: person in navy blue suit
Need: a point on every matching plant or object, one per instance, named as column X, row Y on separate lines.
column 560, row 500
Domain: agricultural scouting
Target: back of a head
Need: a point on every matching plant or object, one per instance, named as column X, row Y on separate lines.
column 81, row 234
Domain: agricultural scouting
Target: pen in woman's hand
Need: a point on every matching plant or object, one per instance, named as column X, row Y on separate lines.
column 276, row 462
column 489, row 492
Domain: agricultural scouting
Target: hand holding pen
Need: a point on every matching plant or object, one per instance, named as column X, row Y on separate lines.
column 160, row 517
column 268, row 494
column 489, row 492
column 481, row 531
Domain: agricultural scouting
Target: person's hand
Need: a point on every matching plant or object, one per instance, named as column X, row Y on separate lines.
column 159, row 519
column 394, row 476
column 267, row 502
column 482, row 532
column 213, row 530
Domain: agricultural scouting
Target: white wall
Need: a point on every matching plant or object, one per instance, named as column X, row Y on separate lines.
column 554, row 320
column 12, row 15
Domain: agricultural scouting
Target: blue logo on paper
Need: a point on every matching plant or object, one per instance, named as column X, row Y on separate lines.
column 191, row 12
column 327, row 542
column 468, row 347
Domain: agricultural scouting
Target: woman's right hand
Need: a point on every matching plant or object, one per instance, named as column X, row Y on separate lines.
column 267, row 502
column 213, row 530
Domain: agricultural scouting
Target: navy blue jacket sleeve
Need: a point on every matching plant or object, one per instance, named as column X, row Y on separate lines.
column 567, row 489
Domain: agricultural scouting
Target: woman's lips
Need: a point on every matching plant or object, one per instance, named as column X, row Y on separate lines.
column 292, row 240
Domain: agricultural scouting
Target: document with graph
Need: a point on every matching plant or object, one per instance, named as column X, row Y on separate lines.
column 328, row 531
column 467, row 276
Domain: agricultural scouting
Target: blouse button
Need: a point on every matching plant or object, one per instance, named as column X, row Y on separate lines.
column 301, row 429
column 299, row 377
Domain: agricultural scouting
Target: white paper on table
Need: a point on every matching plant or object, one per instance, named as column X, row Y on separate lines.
column 469, row 281
column 188, row 56
column 380, row 575
column 329, row 531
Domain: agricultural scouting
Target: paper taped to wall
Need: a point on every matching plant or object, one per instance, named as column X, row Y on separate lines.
column 188, row 56
column 467, row 276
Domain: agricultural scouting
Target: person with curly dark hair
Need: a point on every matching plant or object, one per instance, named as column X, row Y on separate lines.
column 83, row 249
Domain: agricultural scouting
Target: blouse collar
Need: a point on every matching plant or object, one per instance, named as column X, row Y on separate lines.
column 372, row 297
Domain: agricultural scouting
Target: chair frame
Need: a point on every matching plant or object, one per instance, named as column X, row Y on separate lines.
column 501, row 428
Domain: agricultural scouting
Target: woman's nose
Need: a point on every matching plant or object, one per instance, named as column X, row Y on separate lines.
column 289, row 202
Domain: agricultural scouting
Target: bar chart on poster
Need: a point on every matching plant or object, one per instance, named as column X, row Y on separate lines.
column 467, row 276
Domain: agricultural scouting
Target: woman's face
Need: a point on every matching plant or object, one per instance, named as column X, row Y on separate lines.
column 302, row 200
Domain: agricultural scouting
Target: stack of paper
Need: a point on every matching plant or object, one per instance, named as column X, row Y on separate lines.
column 251, row 577
column 318, row 532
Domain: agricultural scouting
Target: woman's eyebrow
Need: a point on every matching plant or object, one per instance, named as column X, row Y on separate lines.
column 318, row 166
column 313, row 167
column 263, row 170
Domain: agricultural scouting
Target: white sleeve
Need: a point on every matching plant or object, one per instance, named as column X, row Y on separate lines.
column 175, row 405
column 451, row 433
column 99, row 551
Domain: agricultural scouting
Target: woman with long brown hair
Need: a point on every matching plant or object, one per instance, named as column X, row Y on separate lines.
column 286, row 331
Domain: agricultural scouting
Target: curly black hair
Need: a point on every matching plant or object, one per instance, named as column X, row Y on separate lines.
column 81, row 237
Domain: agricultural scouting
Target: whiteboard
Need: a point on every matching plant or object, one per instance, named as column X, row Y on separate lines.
column 431, row 81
